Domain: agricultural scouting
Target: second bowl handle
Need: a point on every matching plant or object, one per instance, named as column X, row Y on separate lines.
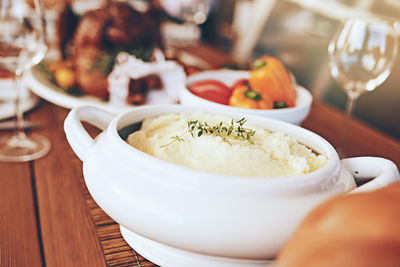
column 77, row 136
column 383, row 172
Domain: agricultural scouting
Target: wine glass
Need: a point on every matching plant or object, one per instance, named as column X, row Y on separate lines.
column 22, row 45
column 192, row 13
column 361, row 55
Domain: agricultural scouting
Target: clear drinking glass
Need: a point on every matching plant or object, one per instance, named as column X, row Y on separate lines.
column 22, row 45
column 361, row 55
column 192, row 13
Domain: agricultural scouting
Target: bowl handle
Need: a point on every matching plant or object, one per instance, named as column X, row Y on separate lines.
column 77, row 136
column 382, row 172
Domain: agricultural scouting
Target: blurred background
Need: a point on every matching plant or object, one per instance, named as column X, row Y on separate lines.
column 296, row 31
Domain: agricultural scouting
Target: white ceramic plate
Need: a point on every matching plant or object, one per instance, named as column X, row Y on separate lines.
column 39, row 83
column 46, row 89
column 7, row 94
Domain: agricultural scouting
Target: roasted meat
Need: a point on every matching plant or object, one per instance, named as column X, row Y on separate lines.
column 91, row 80
column 100, row 34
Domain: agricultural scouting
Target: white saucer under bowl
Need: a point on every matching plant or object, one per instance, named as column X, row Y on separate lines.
column 165, row 256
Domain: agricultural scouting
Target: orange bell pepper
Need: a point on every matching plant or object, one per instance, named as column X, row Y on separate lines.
column 243, row 97
column 271, row 79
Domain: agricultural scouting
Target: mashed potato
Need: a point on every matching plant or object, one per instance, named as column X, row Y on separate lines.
column 273, row 154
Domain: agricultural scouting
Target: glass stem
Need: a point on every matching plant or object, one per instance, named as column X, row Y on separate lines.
column 351, row 99
column 350, row 106
column 19, row 130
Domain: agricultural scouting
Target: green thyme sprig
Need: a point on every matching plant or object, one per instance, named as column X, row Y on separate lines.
column 235, row 131
column 177, row 138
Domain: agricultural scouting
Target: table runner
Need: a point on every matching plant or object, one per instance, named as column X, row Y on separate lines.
column 117, row 252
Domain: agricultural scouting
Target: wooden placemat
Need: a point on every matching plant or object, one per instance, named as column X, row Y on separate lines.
column 116, row 251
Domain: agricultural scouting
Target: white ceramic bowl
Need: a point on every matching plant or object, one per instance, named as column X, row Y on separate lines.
column 194, row 218
column 293, row 115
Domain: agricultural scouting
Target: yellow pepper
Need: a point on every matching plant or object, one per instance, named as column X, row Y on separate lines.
column 270, row 78
column 243, row 97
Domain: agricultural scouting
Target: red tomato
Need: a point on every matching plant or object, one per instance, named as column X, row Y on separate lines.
column 240, row 82
column 212, row 90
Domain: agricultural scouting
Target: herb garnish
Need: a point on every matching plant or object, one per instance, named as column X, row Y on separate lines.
column 105, row 63
column 234, row 131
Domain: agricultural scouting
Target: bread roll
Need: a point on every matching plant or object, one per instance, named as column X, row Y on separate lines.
column 354, row 230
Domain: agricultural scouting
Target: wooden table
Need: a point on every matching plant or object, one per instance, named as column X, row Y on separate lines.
column 47, row 217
